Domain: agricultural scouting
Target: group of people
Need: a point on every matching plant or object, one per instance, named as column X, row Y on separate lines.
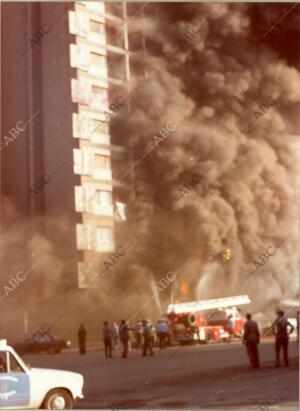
column 112, row 336
column 145, row 333
column 282, row 328
column 115, row 335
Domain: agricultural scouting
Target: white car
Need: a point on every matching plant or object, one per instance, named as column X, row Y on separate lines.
column 22, row 387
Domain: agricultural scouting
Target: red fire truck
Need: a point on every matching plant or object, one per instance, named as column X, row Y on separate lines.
column 206, row 320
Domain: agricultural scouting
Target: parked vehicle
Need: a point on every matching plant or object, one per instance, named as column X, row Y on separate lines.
column 41, row 341
column 219, row 317
column 206, row 320
column 23, row 387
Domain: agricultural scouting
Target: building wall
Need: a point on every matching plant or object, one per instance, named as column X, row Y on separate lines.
column 36, row 95
column 94, row 53
column 64, row 64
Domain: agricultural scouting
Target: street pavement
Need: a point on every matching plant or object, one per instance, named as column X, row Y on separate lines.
column 214, row 376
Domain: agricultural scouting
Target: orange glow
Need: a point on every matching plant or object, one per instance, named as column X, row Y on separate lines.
column 184, row 288
column 226, row 254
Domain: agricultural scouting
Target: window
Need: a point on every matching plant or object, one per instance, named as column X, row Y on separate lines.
column 98, row 68
column 83, row 161
column 78, row 23
column 115, row 9
column 99, row 91
column 97, row 27
column 116, row 66
column 104, row 235
column 104, row 197
column 215, row 315
column 80, row 56
column 135, row 41
column 99, row 97
column 98, row 60
column 85, row 237
column 115, row 36
column 3, row 361
column 100, row 126
column 14, row 364
column 137, row 67
column 102, row 162
column 80, row 91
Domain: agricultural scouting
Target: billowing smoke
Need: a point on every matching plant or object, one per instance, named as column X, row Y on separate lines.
column 218, row 114
column 234, row 96
column 38, row 286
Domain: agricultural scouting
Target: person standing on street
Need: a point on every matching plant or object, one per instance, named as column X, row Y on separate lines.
column 115, row 336
column 107, row 339
column 162, row 331
column 282, row 337
column 251, row 339
column 138, row 334
column 147, row 332
column 124, row 337
column 231, row 327
column 82, row 339
column 297, row 322
column 152, row 334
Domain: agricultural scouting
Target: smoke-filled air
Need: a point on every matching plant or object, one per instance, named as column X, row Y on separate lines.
column 222, row 173
column 233, row 103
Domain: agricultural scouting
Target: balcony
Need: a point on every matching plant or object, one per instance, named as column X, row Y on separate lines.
column 95, row 7
column 99, row 138
column 103, row 210
column 96, row 38
column 102, row 174
column 91, row 237
column 104, row 247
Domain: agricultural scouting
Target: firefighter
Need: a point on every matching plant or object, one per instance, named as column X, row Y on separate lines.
column 152, row 334
column 147, row 338
column 124, row 337
column 162, row 331
column 230, row 327
column 251, row 339
column 82, row 339
column 297, row 319
column 138, row 333
column 115, row 337
column 282, row 337
column 107, row 339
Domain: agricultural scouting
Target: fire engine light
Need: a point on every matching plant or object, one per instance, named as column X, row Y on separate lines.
column 226, row 254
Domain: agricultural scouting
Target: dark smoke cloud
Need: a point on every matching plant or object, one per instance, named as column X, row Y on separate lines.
column 248, row 200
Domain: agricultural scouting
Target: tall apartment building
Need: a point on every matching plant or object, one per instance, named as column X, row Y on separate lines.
column 92, row 158
column 67, row 80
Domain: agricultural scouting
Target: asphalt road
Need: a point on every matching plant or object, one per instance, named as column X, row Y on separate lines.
column 215, row 376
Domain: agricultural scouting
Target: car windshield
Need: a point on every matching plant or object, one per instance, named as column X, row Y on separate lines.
column 215, row 315
column 42, row 337
column 3, row 364
column 14, row 364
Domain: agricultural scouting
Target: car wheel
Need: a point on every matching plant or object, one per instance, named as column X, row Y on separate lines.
column 58, row 399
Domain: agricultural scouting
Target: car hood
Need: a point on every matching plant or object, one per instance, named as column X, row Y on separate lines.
column 57, row 374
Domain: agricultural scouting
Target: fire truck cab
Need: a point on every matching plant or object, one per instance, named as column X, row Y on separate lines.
column 206, row 320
